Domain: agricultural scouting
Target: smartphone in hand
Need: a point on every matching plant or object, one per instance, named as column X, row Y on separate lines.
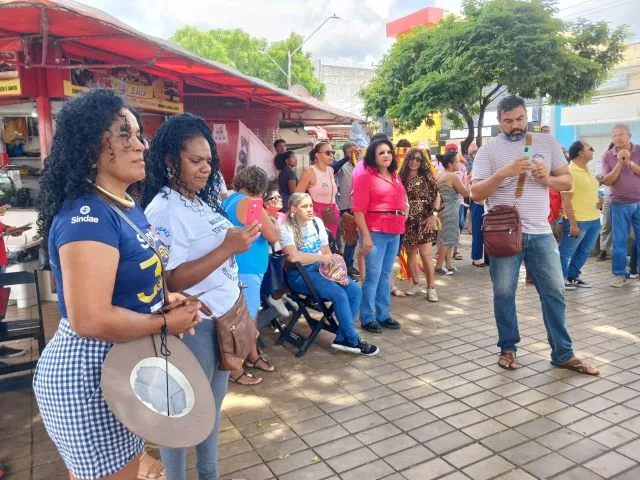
column 254, row 210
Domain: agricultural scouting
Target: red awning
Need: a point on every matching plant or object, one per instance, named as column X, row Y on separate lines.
column 80, row 30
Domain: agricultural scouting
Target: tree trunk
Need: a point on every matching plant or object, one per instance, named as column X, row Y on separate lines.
column 480, row 125
column 464, row 146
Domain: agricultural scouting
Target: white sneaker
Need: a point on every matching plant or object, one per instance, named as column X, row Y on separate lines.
column 633, row 276
column 415, row 290
column 432, row 296
column 278, row 305
column 619, row 281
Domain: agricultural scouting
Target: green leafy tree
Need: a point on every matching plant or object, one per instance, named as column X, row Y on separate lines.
column 461, row 65
column 237, row 49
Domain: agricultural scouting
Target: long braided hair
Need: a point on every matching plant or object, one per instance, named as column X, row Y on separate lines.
column 294, row 200
column 167, row 144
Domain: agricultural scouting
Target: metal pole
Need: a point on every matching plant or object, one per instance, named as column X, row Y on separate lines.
column 290, row 54
column 289, row 70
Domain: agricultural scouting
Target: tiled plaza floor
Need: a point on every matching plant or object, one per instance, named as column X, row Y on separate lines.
column 433, row 405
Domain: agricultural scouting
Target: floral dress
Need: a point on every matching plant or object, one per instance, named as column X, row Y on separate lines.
column 421, row 192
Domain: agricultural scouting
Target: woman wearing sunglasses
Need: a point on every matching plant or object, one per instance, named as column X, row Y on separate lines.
column 319, row 182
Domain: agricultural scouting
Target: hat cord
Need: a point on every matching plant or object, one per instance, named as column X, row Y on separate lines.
column 164, row 350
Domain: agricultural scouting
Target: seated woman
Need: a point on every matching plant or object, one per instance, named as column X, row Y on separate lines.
column 304, row 239
column 273, row 206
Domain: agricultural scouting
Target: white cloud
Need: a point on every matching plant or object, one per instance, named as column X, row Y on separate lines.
column 357, row 39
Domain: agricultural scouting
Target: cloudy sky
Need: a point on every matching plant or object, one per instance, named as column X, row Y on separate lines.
column 357, row 39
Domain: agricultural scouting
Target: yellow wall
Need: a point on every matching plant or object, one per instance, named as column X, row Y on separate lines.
column 422, row 133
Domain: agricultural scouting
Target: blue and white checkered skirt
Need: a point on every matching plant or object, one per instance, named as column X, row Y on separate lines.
column 90, row 439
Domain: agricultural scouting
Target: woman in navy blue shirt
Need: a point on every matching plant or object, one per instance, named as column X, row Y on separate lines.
column 109, row 283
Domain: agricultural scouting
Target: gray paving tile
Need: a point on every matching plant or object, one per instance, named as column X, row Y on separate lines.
column 504, row 440
column 428, row 470
column 548, row 465
column 488, row 468
column 468, row 455
column 525, row 453
column 449, row 442
column 583, row 450
column 610, row 464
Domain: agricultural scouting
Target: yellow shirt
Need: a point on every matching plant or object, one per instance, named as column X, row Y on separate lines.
column 585, row 194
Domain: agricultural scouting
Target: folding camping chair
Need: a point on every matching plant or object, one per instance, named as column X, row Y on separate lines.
column 306, row 302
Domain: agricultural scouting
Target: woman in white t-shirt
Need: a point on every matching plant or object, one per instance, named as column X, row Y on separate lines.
column 182, row 200
column 304, row 239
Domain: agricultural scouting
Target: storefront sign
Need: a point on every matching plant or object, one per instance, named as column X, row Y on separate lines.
column 9, row 76
column 140, row 89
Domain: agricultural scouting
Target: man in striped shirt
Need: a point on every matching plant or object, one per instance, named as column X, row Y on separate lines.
column 495, row 175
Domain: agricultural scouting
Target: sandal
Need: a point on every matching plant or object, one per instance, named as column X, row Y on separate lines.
column 268, row 368
column 478, row 263
column 396, row 292
column 507, row 360
column 154, row 470
column 576, row 365
column 252, row 380
column 457, row 256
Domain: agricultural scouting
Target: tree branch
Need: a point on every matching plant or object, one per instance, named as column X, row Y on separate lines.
column 486, row 100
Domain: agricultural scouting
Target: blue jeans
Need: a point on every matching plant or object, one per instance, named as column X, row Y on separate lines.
column 252, row 283
column 574, row 251
column 623, row 216
column 477, row 236
column 349, row 254
column 540, row 252
column 376, row 289
column 205, row 348
column 345, row 299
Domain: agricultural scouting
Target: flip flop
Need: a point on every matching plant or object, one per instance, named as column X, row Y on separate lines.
column 245, row 374
column 269, row 368
column 479, row 265
column 396, row 292
column 576, row 365
column 510, row 358
column 155, row 471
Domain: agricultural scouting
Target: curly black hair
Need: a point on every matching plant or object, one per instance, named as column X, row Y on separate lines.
column 167, row 144
column 424, row 169
column 252, row 179
column 77, row 145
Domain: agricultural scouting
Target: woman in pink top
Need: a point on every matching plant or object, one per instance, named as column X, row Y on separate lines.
column 379, row 206
column 319, row 182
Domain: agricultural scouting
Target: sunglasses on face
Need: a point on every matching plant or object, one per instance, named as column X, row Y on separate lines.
column 590, row 149
column 329, row 152
column 274, row 198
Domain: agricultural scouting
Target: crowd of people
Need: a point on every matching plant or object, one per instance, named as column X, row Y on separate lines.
column 369, row 209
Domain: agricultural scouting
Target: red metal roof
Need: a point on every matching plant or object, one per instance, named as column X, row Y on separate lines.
column 426, row 16
column 85, row 31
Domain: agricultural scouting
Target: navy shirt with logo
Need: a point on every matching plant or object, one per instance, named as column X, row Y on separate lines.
column 138, row 283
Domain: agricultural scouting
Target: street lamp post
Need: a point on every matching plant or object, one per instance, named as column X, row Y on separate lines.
column 290, row 54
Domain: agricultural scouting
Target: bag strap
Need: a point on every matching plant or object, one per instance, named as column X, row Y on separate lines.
column 523, row 176
column 151, row 244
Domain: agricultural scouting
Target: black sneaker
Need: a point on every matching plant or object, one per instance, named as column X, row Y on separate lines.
column 362, row 348
column 578, row 282
column 9, row 352
column 353, row 272
column 373, row 327
column 602, row 256
column 391, row 324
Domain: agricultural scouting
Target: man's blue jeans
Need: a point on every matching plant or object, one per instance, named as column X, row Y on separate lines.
column 623, row 216
column 540, row 252
column 376, row 289
column 477, row 236
column 574, row 251
column 345, row 299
